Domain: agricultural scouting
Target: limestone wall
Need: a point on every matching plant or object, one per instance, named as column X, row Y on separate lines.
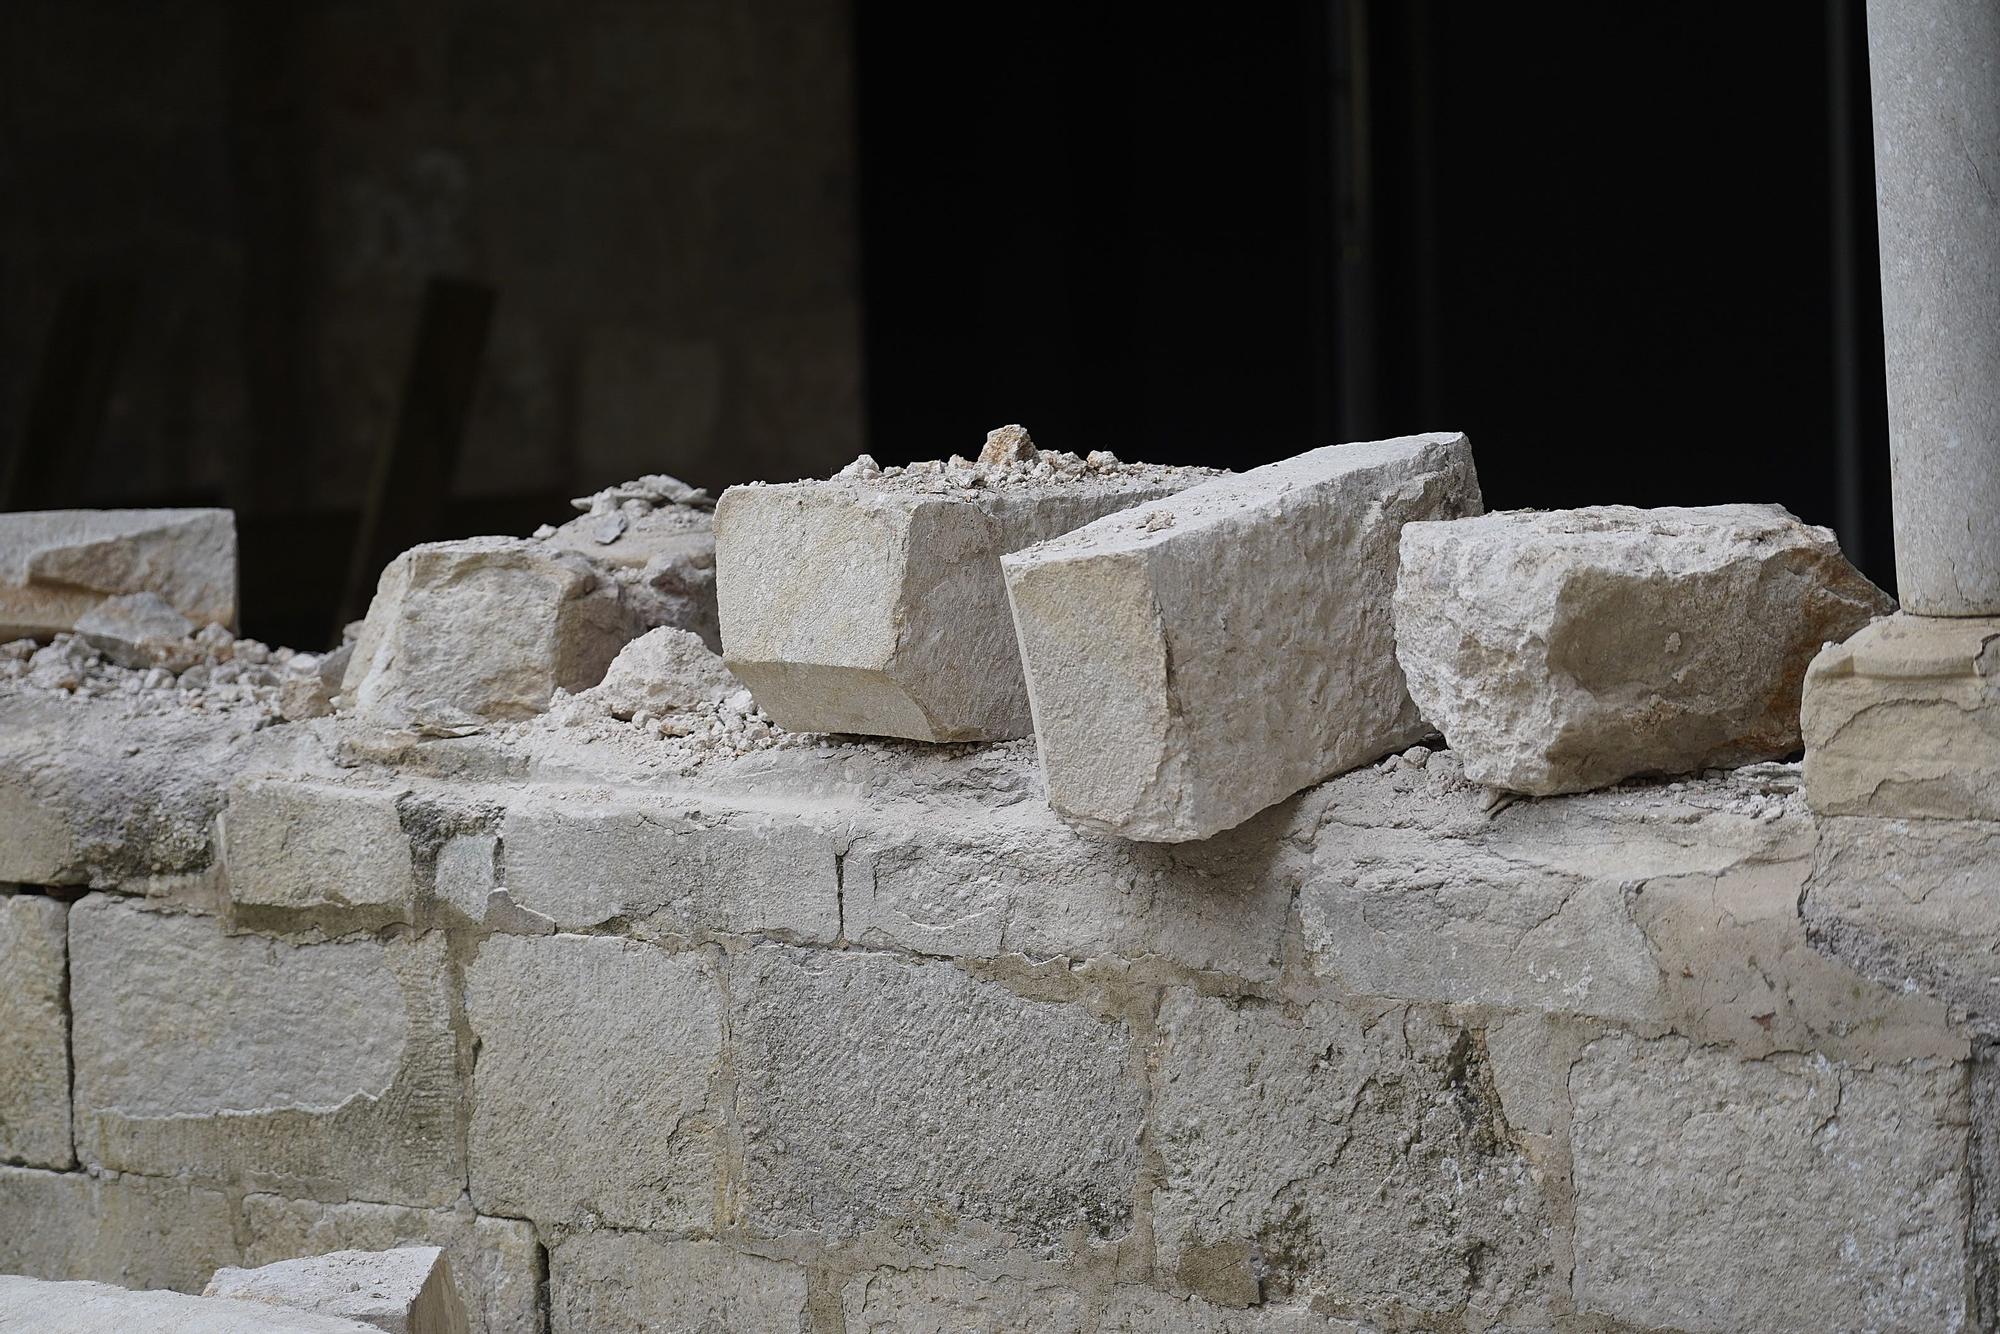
column 861, row 1037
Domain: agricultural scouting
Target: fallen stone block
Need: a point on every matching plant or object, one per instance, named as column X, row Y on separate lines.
column 34, row 1031
column 1564, row 651
column 120, row 1228
column 1903, row 719
column 874, row 603
column 403, row 1291
column 57, row 565
column 95, row 1308
column 1198, row 658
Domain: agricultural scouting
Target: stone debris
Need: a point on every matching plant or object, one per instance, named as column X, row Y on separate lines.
column 139, row 630
column 874, row 604
column 664, row 671
column 1009, row 446
column 1198, row 658
column 1563, row 651
column 1903, row 719
column 403, row 1291
column 28, row 1304
column 55, row 565
column 209, row 671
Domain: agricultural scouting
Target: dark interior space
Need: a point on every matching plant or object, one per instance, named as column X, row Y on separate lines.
column 374, row 274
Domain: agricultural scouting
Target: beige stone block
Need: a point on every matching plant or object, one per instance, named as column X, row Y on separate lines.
column 608, row 1282
column 129, row 1230
column 57, row 565
column 34, row 1031
column 408, row 1290
column 336, row 853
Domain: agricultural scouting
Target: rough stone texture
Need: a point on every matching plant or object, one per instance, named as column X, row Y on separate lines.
column 139, row 630
column 34, row 1031
column 1194, row 660
column 303, row 1069
column 1563, row 651
column 339, row 853
column 1911, row 904
column 667, row 670
column 1355, row 1153
column 609, row 1282
column 1931, row 68
column 581, row 860
column 845, row 1061
column 93, row 1308
column 1858, row 1182
column 495, row 1262
column 132, row 1231
column 1904, row 719
column 916, row 1301
column 850, row 606
column 56, row 565
column 656, row 547
column 568, row 1027
column 408, row 1290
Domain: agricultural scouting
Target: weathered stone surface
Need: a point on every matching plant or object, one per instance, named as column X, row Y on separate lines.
column 1707, row 1185
column 338, row 853
column 568, row 1027
column 609, row 1282
column 1904, row 720
column 585, row 858
column 304, row 1069
column 1355, row 1154
column 407, row 1290
column 34, row 1031
column 139, row 630
column 844, row 1061
column 655, row 537
column 56, row 565
column 1912, row 904
column 917, row 1301
column 133, row 1231
column 1196, row 659
column 667, row 670
column 1132, row 1310
column 94, row 1308
column 495, row 1262
column 1566, row 650
column 859, row 606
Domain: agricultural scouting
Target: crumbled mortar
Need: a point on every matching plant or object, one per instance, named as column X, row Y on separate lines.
column 1011, row 462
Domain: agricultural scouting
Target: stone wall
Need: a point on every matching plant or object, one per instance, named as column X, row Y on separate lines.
column 858, row 1036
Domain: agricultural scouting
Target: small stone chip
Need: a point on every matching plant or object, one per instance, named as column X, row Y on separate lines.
column 1008, row 445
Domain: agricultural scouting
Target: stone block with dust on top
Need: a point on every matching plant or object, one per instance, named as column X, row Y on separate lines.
column 57, row 565
column 1193, row 660
column 403, row 1291
column 1566, row 650
column 873, row 603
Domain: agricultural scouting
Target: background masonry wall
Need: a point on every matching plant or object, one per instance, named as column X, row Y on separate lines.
column 862, row 1038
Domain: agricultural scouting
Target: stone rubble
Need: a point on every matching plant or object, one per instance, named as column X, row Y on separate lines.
column 1566, row 650
column 408, row 1290
column 211, row 671
column 56, row 565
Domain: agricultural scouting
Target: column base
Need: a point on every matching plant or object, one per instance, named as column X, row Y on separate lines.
column 1903, row 720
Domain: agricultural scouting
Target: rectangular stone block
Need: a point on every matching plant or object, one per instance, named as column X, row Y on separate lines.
column 134, row 1231
column 597, row 1093
column 336, row 855
column 56, row 565
column 1028, row 1112
column 407, row 1290
column 914, row 1301
column 1355, row 1155
column 1196, row 659
column 583, row 858
column 1706, row 1186
column 34, row 1031
column 495, row 1262
column 96, row 1308
column 306, row 1069
column 608, row 1282
column 876, row 604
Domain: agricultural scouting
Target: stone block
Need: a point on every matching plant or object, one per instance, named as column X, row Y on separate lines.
column 1707, row 1185
column 1564, row 651
column 1028, row 1111
column 495, row 1262
column 872, row 605
column 582, row 859
column 408, row 1290
column 307, row 1069
column 133, row 1231
column 1356, row 1155
column 1903, row 719
column 337, row 854
column 57, row 565
column 568, row 1027
column 34, row 1031
column 95, row 1308
column 1143, row 1311
column 608, row 1282
column 1196, row 659
column 917, row 1301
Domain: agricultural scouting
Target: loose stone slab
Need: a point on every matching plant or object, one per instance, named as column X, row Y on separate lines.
column 1195, row 659
column 34, row 1031
column 874, row 603
column 403, row 1291
column 1567, row 650
column 57, row 565
column 1904, row 720
column 94, row 1308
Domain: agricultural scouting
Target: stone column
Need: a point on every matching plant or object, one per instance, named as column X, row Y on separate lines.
column 1934, row 70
